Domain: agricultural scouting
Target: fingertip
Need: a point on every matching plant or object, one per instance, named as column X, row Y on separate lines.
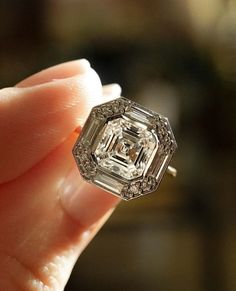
column 61, row 71
column 113, row 89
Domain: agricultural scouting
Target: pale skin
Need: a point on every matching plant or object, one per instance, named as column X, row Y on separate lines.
column 48, row 214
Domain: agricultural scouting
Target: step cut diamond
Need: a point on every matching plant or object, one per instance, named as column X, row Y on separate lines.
column 125, row 148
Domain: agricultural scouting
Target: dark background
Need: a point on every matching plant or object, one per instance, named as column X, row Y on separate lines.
column 177, row 57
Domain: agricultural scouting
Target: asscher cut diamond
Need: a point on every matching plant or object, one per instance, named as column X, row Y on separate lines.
column 125, row 148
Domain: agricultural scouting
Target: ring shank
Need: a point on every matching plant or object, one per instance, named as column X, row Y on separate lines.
column 171, row 171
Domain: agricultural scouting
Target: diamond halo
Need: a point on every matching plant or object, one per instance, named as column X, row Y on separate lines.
column 124, row 148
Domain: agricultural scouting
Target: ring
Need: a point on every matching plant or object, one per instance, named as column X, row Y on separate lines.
column 125, row 148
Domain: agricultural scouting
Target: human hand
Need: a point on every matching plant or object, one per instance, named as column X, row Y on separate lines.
column 48, row 214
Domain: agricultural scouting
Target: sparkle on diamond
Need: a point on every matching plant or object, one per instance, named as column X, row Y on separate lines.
column 125, row 148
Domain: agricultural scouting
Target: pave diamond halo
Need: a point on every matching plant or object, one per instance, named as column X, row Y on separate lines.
column 125, row 148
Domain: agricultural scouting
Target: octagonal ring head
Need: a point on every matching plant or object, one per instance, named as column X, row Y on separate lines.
column 124, row 148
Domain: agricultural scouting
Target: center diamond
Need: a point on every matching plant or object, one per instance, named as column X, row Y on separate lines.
column 125, row 148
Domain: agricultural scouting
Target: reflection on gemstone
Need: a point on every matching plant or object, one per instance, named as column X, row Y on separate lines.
column 125, row 147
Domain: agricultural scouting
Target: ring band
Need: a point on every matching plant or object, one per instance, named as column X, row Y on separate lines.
column 125, row 148
column 171, row 171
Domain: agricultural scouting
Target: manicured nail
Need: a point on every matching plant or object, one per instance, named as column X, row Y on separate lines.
column 112, row 90
column 84, row 202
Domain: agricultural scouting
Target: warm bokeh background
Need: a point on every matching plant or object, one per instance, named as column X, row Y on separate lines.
column 179, row 58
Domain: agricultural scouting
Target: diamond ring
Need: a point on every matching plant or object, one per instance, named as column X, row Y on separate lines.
column 125, row 148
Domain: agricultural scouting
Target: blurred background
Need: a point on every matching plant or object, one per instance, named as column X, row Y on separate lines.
column 177, row 57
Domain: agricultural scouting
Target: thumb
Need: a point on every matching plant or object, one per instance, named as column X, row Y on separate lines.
column 48, row 214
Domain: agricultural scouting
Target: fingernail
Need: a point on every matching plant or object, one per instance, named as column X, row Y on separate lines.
column 84, row 65
column 84, row 202
column 112, row 90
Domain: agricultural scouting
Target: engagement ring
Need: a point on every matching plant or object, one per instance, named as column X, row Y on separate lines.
column 125, row 148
